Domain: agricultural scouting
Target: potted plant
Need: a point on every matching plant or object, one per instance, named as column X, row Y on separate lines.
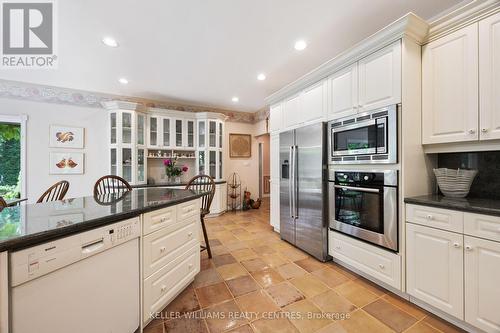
column 173, row 171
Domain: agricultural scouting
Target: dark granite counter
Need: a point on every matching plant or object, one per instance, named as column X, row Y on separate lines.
column 165, row 184
column 472, row 205
column 27, row 225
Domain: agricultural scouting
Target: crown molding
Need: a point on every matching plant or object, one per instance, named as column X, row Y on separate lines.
column 410, row 26
column 123, row 105
column 461, row 17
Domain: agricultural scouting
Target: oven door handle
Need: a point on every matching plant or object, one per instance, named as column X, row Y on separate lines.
column 360, row 189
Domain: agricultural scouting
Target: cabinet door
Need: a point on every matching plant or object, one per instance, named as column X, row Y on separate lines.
column 380, row 78
column 291, row 110
column 450, row 88
column 275, row 118
column 167, row 141
column 141, row 129
column 212, row 133
column 482, row 288
column 153, row 132
column 190, row 133
column 202, row 133
column 344, row 92
column 313, row 102
column 489, row 77
column 178, row 131
column 435, row 268
column 275, row 181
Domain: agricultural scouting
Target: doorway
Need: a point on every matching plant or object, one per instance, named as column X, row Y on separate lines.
column 264, row 166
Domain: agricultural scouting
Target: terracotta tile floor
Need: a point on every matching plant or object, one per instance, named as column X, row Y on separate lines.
column 256, row 282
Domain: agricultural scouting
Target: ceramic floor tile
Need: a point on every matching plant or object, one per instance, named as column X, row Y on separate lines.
column 206, row 278
column 242, row 329
column 284, row 294
column 213, row 294
column 356, row 294
column 360, row 322
column 223, row 259
column 342, row 270
column 206, row 263
column 223, row 317
column 390, row 315
column 264, row 250
column 309, row 285
column 290, row 271
column 256, row 304
column 441, row 325
column 333, row 303
column 191, row 322
column 293, row 254
column 254, row 265
column 422, row 327
column 244, row 254
column 231, row 271
column 185, row 302
column 406, row 306
column 214, row 242
column 155, row 326
column 306, row 316
column 274, row 325
column 236, row 246
column 274, row 260
column 242, row 285
column 379, row 291
column 310, row 264
column 267, row 277
column 331, row 277
column 218, row 250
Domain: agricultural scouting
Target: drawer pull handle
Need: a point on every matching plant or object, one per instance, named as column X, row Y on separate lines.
column 163, row 289
column 337, row 247
column 468, row 247
column 190, row 266
column 163, row 249
column 430, row 217
column 456, row 245
column 163, row 219
column 381, row 266
column 190, row 234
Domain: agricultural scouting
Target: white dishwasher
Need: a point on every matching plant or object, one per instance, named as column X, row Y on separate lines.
column 87, row 282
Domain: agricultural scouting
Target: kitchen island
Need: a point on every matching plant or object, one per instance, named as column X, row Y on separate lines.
column 166, row 224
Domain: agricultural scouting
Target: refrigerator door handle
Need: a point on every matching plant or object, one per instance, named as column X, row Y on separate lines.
column 290, row 181
column 295, row 185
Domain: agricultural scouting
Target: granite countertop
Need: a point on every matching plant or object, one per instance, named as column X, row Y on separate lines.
column 166, row 184
column 27, row 225
column 472, row 205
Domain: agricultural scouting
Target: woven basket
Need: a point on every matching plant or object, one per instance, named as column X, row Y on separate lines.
column 455, row 183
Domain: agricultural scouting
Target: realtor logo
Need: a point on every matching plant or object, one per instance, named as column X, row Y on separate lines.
column 28, row 34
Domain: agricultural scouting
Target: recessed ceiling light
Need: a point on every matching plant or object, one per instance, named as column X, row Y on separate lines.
column 123, row 80
column 300, row 45
column 235, row 99
column 109, row 41
column 261, row 77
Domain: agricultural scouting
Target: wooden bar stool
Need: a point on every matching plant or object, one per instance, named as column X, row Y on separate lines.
column 55, row 192
column 111, row 184
column 3, row 204
column 206, row 184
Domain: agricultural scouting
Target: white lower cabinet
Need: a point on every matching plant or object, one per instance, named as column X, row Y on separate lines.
column 380, row 264
column 435, row 268
column 482, row 283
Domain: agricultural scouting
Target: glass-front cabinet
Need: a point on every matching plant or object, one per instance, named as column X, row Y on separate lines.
column 210, row 142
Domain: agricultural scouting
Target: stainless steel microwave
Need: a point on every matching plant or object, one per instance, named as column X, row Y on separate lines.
column 366, row 138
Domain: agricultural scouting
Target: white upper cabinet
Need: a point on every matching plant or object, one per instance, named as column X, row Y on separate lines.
column 291, row 111
column 380, row 78
column 482, row 290
column 434, row 261
column 313, row 102
column 450, row 87
column 154, row 131
column 275, row 118
column 343, row 87
column 489, row 77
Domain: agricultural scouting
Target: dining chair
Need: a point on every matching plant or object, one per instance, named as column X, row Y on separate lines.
column 111, row 184
column 3, row 204
column 55, row 192
column 205, row 184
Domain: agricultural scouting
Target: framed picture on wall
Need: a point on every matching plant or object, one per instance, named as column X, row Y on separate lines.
column 66, row 163
column 240, row 145
column 66, row 137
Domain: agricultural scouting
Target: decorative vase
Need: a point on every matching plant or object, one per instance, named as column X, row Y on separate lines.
column 177, row 180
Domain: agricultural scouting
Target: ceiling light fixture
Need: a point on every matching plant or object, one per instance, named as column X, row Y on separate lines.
column 300, row 45
column 123, row 80
column 109, row 41
column 261, row 77
column 235, row 99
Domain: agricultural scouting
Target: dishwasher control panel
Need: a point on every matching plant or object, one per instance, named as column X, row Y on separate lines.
column 42, row 259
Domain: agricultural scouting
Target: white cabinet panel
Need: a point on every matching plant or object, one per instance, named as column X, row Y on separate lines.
column 450, row 88
column 275, row 181
column 484, row 226
column 435, row 268
column 313, row 102
column 482, row 288
column 291, row 111
column 380, row 78
column 445, row 219
column 489, row 77
column 275, row 118
column 343, row 88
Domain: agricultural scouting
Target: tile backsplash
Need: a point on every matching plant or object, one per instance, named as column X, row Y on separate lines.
column 487, row 182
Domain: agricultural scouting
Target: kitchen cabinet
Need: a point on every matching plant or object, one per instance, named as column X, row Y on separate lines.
column 489, row 77
column 450, row 88
column 166, row 132
column 482, row 290
column 379, row 76
column 435, row 261
column 343, row 87
column 313, row 102
column 274, row 149
column 154, row 131
column 291, row 111
column 275, row 118
column 209, row 154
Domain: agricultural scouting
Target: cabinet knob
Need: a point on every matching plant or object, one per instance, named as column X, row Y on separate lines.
column 163, row 219
column 456, row 245
column 381, row 266
column 468, row 247
column 190, row 234
column 163, row 288
column 484, row 130
column 190, row 266
column 472, row 131
column 429, row 217
column 163, row 249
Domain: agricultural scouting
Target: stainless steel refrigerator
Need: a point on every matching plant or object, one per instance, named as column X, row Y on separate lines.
column 303, row 186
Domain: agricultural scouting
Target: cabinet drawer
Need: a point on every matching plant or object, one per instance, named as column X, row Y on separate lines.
column 444, row 219
column 158, row 219
column 162, row 287
column 161, row 247
column 188, row 209
column 382, row 265
column 483, row 226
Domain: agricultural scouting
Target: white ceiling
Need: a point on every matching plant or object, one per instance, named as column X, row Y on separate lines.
column 205, row 52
